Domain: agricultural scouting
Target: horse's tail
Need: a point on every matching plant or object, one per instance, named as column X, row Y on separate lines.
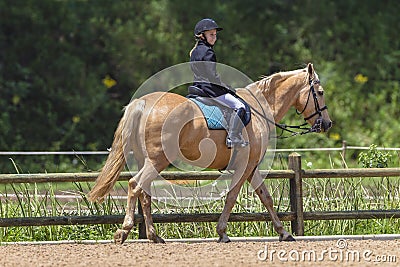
column 122, row 144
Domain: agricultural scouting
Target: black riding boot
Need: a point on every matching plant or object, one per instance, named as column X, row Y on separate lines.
column 235, row 138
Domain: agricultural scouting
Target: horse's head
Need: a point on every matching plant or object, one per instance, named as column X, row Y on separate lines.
column 311, row 103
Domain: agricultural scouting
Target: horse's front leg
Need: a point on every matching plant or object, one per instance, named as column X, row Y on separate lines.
column 223, row 219
column 236, row 184
column 151, row 233
column 133, row 192
column 266, row 199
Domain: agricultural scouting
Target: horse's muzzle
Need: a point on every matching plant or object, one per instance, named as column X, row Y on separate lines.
column 320, row 125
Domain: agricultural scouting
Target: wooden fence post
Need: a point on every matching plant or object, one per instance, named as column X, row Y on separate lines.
column 296, row 194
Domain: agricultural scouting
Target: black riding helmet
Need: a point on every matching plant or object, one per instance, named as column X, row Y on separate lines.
column 206, row 25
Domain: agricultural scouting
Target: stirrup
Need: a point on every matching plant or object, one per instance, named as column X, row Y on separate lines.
column 239, row 143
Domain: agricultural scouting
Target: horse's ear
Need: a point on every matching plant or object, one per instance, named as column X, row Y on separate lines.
column 310, row 69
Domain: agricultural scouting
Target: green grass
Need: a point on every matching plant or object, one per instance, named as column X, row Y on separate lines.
column 28, row 201
column 337, row 194
column 319, row 195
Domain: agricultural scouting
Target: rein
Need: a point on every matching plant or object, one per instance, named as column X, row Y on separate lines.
column 287, row 128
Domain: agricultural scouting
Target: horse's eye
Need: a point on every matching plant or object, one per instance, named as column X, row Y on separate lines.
column 317, row 82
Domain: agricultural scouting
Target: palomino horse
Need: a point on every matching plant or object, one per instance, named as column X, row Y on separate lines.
column 155, row 127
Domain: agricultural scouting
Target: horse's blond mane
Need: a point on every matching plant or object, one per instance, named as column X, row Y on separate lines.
column 265, row 81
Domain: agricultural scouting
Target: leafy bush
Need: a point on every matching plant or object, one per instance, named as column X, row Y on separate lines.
column 374, row 158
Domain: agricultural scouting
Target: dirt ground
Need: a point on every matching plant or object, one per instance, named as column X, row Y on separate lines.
column 237, row 253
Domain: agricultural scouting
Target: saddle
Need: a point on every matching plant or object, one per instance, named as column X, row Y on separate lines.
column 215, row 113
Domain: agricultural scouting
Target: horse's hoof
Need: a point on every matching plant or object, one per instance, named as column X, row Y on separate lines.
column 287, row 238
column 120, row 236
column 159, row 240
column 224, row 239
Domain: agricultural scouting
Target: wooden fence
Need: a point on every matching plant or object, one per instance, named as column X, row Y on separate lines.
column 296, row 216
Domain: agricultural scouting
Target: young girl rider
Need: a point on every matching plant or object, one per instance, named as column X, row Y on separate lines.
column 203, row 64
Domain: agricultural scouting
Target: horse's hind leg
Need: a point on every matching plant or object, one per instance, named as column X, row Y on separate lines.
column 266, row 199
column 140, row 181
column 145, row 200
column 121, row 234
column 152, row 171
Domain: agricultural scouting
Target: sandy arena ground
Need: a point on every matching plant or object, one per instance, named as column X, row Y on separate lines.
column 240, row 252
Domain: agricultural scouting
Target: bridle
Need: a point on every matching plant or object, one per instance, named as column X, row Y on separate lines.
column 318, row 109
column 304, row 130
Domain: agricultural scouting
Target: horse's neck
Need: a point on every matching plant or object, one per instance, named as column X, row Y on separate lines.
column 280, row 90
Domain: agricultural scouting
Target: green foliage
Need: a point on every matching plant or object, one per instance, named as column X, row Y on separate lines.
column 374, row 158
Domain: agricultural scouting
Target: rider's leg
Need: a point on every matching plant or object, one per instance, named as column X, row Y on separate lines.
column 235, row 127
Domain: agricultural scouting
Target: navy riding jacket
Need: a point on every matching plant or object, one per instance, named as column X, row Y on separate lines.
column 203, row 64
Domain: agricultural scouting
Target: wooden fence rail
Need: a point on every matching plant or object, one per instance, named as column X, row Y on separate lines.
column 296, row 215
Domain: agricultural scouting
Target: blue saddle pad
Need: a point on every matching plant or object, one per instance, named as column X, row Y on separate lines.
column 213, row 115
